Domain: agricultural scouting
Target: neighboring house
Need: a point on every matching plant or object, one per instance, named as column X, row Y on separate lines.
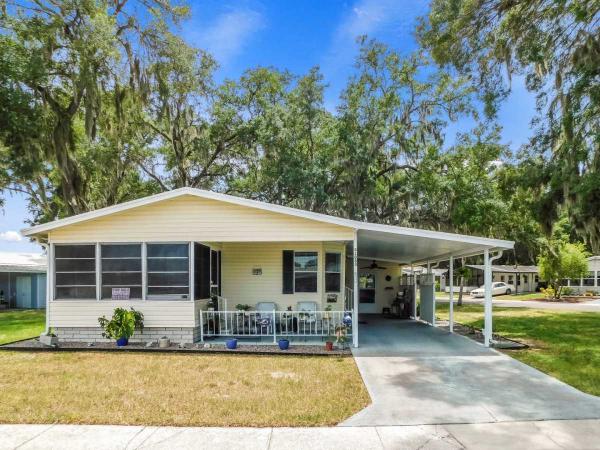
column 186, row 257
column 591, row 283
column 22, row 280
column 527, row 278
column 523, row 278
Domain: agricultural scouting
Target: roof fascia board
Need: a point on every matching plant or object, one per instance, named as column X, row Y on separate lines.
column 464, row 254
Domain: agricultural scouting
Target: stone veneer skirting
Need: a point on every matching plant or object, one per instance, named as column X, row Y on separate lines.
column 186, row 335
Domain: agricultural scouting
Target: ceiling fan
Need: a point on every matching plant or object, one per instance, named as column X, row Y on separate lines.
column 374, row 265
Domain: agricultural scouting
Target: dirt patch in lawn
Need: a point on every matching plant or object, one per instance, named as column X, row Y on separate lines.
column 178, row 389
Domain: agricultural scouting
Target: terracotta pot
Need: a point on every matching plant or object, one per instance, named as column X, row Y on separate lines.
column 329, row 346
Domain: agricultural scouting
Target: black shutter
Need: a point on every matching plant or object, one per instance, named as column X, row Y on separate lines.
column 288, row 272
column 201, row 271
column 219, row 274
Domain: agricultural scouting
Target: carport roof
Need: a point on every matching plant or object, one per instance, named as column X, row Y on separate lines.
column 375, row 241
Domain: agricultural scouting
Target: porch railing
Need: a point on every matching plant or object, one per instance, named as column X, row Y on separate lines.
column 274, row 323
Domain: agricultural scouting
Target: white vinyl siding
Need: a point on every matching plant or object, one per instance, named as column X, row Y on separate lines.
column 190, row 218
column 83, row 313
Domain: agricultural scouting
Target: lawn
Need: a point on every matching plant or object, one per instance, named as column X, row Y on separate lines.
column 21, row 324
column 565, row 345
column 178, row 390
column 527, row 296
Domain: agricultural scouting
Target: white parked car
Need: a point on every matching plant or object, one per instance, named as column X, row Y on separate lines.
column 498, row 288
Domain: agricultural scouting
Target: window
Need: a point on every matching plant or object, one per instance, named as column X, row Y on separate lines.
column 333, row 272
column 366, row 284
column 525, row 279
column 167, row 271
column 510, row 279
column 589, row 280
column 502, row 278
column 75, row 271
column 121, row 268
column 305, row 271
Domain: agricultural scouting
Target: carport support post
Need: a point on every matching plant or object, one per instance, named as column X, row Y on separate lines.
column 487, row 282
column 451, row 295
column 355, row 279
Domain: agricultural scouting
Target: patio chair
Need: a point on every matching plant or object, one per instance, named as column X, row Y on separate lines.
column 264, row 316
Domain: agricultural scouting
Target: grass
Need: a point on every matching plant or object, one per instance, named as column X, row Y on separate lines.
column 178, row 390
column 565, row 345
column 21, row 324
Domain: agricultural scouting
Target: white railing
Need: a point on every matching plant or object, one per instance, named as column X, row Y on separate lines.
column 274, row 323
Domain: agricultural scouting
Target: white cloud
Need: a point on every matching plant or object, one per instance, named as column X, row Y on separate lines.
column 10, row 236
column 390, row 18
column 227, row 36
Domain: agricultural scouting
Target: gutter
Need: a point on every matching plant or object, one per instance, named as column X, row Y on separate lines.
column 46, row 247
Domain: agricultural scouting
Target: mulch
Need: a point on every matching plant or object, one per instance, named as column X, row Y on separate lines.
column 476, row 334
column 269, row 349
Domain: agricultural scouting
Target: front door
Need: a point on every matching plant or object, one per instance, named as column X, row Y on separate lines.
column 23, row 292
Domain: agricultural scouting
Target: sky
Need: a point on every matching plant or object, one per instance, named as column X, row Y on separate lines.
column 297, row 35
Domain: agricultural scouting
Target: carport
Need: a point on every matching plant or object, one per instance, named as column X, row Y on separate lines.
column 410, row 247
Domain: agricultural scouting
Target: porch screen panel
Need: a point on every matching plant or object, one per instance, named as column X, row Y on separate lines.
column 121, row 268
column 167, row 271
column 75, row 271
column 333, row 272
column 201, row 271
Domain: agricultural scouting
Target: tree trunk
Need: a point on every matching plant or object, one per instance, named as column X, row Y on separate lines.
column 72, row 183
column 460, row 291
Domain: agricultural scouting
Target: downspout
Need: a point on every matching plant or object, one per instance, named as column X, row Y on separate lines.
column 46, row 247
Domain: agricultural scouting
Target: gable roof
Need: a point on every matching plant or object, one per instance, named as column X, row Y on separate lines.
column 370, row 230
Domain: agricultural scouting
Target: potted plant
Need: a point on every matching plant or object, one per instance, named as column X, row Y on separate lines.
column 242, row 308
column 327, row 315
column 210, row 306
column 329, row 343
column 49, row 339
column 284, row 344
column 231, row 344
column 122, row 325
column 341, row 334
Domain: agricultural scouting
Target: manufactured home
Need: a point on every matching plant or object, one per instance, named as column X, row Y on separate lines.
column 22, row 280
column 203, row 265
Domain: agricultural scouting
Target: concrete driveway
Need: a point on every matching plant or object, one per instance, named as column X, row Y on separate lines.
column 418, row 375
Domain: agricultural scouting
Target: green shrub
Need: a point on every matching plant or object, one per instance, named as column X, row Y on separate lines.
column 122, row 324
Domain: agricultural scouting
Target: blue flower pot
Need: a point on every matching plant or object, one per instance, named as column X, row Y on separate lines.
column 231, row 344
column 284, row 344
column 122, row 342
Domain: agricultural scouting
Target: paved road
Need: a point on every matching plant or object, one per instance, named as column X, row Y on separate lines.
column 418, row 375
column 550, row 435
column 593, row 306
